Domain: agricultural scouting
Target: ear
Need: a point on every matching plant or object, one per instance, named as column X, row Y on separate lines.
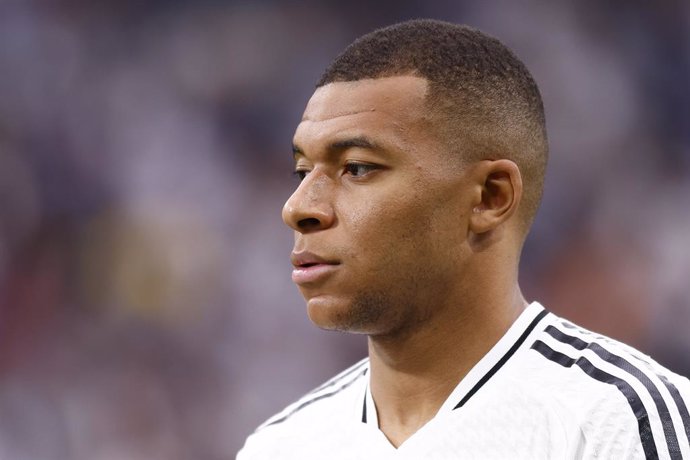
column 499, row 194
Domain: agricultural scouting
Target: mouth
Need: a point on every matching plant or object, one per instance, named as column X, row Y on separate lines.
column 310, row 269
column 308, row 264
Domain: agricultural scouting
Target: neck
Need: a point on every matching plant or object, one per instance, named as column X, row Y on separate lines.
column 413, row 374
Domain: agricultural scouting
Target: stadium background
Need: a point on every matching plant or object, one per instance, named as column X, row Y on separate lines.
column 146, row 308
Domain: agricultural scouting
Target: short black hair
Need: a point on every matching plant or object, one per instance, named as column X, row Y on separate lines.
column 487, row 103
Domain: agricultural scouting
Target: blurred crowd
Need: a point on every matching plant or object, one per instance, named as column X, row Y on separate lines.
column 146, row 307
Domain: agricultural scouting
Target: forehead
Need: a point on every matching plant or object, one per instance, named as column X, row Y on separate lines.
column 370, row 106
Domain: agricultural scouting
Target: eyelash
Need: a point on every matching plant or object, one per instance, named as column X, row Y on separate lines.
column 350, row 168
column 354, row 165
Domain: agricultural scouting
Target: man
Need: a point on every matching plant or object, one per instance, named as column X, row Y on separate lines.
column 421, row 156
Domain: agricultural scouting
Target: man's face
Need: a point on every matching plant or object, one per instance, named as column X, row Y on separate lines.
column 380, row 215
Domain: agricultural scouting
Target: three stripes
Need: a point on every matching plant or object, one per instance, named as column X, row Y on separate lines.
column 328, row 389
column 640, row 371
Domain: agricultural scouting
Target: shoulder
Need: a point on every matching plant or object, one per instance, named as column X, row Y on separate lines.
column 326, row 396
column 621, row 400
column 322, row 410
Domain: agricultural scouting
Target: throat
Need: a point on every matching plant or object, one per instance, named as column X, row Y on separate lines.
column 411, row 379
column 413, row 376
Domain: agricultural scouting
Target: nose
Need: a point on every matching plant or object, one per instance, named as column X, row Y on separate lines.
column 309, row 209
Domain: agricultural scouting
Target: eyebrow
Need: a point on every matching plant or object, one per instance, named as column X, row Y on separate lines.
column 343, row 144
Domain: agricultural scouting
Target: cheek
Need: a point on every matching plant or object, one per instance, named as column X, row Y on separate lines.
column 380, row 221
column 408, row 224
column 388, row 237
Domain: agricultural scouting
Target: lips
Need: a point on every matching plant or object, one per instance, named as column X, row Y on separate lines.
column 311, row 268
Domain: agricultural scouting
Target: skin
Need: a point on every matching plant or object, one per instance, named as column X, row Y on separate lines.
column 414, row 249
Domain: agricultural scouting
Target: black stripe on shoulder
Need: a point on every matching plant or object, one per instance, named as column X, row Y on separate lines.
column 311, row 401
column 682, row 408
column 503, row 359
column 624, row 387
column 625, row 365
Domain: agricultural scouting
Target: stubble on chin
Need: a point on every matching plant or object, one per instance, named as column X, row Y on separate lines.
column 378, row 315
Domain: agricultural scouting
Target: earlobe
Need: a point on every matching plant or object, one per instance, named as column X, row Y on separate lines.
column 501, row 191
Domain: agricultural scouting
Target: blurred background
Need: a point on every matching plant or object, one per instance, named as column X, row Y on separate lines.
column 146, row 307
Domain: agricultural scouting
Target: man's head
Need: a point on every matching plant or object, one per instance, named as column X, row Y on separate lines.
column 483, row 101
column 411, row 155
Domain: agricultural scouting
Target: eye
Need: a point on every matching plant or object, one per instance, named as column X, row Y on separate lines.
column 300, row 174
column 359, row 169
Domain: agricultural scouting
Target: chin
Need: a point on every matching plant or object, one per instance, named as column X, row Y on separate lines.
column 329, row 314
column 345, row 315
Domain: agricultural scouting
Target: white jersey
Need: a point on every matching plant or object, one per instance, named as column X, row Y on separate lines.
column 547, row 390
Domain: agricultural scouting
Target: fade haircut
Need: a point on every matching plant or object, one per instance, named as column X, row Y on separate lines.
column 483, row 102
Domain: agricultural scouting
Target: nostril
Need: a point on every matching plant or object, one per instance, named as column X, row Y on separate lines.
column 309, row 222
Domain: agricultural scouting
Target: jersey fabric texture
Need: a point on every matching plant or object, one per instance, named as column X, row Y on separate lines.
column 547, row 390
